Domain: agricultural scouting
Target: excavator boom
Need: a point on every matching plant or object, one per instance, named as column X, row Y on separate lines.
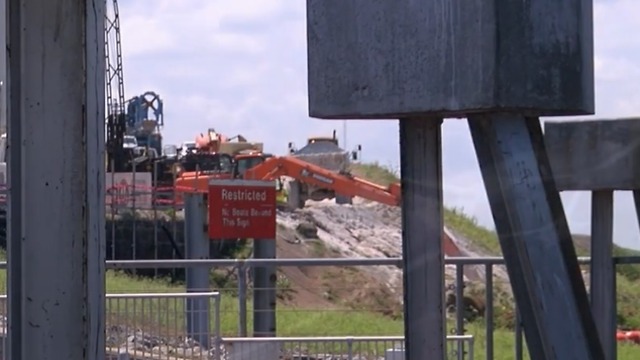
column 272, row 168
column 305, row 172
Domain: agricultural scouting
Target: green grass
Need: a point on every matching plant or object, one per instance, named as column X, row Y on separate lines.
column 300, row 323
column 379, row 174
column 291, row 321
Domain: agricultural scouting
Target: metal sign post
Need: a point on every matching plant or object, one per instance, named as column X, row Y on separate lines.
column 197, row 278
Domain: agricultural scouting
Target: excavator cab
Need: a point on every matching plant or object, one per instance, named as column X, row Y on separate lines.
column 207, row 163
column 245, row 162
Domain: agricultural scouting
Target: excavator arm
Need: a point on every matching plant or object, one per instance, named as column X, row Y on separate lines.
column 311, row 174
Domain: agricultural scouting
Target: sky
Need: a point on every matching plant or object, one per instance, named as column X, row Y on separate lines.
column 240, row 67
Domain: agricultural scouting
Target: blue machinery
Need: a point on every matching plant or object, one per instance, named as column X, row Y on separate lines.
column 144, row 119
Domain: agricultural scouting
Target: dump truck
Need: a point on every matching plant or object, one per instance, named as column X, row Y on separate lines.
column 324, row 152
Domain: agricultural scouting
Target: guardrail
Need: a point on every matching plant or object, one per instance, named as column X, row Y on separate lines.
column 485, row 265
column 134, row 197
column 162, row 326
column 343, row 348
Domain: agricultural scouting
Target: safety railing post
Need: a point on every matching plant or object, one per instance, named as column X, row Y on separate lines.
column 242, row 299
column 197, row 279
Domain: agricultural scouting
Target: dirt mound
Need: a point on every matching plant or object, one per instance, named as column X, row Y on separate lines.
column 325, row 287
column 361, row 230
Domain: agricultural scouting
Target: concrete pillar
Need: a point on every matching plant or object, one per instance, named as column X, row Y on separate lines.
column 422, row 250
column 56, row 174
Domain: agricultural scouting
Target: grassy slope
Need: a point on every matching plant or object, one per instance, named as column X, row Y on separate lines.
column 486, row 241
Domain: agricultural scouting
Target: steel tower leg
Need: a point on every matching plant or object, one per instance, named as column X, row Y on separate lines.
column 535, row 238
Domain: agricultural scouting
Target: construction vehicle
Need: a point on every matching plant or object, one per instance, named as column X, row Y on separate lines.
column 256, row 167
column 213, row 157
column 216, row 143
column 306, row 175
column 325, row 152
column 186, row 147
column 321, row 154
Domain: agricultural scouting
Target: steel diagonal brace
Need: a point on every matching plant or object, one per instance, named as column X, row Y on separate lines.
column 535, row 238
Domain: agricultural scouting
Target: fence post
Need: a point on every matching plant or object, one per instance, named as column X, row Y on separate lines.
column 242, row 300
column 197, row 278
column 264, row 290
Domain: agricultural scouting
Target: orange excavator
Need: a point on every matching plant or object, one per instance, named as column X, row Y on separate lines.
column 308, row 178
column 257, row 166
column 309, row 174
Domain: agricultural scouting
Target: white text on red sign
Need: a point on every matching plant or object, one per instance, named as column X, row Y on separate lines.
column 242, row 217
column 244, row 195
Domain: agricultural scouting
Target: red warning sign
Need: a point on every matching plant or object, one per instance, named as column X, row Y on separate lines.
column 242, row 209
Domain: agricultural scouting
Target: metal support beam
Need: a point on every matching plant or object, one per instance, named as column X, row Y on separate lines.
column 535, row 238
column 264, row 290
column 636, row 202
column 56, row 213
column 422, row 252
column 603, row 273
column 197, row 279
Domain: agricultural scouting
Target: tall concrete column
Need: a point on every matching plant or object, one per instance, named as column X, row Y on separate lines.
column 56, row 175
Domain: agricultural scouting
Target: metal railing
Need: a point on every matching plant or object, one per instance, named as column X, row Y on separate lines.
column 163, row 326
column 344, row 348
column 487, row 268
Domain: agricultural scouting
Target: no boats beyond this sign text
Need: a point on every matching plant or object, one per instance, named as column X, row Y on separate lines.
column 242, row 209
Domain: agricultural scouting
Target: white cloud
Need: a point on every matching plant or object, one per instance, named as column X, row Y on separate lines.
column 240, row 66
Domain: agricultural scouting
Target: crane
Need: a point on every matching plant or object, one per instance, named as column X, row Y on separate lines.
column 114, row 89
column 139, row 118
